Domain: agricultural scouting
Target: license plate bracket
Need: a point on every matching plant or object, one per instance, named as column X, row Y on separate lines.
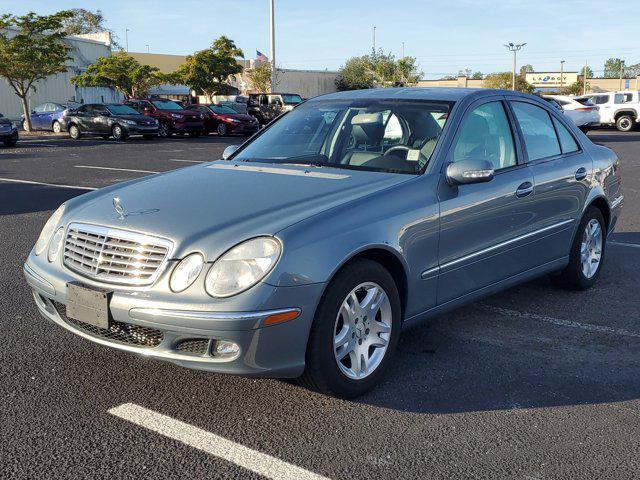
column 88, row 304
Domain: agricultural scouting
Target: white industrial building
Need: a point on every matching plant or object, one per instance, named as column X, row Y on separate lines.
column 85, row 50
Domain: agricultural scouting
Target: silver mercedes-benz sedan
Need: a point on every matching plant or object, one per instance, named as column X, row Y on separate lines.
column 303, row 251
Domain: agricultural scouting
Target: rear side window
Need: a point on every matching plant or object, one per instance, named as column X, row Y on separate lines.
column 486, row 135
column 567, row 142
column 539, row 135
column 618, row 98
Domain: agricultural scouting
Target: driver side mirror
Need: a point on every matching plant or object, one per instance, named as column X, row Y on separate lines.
column 469, row 171
column 230, row 150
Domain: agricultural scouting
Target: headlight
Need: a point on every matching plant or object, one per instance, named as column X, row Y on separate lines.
column 48, row 229
column 186, row 272
column 55, row 244
column 242, row 267
column 176, row 115
column 130, row 122
column 234, row 120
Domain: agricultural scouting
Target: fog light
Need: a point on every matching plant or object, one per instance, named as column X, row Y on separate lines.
column 226, row 349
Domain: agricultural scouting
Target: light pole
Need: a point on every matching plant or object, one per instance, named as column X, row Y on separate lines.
column 561, row 74
column 374, row 39
column 126, row 39
column 515, row 49
column 272, row 51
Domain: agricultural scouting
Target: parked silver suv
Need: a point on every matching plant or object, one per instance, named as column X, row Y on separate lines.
column 304, row 252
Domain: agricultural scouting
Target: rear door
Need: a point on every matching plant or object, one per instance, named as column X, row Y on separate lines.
column 100, row 120
column 562, row 172
column 484, row 226
column 37, row 121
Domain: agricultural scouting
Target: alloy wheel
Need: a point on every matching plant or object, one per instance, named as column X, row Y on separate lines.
column 591, row 248
column 163, row 130
column 222, row 129
column 362, row 330
column 56, row 127
column 117, row 132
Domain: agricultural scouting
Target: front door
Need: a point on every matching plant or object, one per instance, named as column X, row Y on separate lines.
column 484, row 226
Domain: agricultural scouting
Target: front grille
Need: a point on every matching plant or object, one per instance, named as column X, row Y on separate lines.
column 119, row 332
column 114, row 256
column 195, row 346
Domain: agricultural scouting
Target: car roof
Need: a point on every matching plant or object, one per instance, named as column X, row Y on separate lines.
column 418, row 93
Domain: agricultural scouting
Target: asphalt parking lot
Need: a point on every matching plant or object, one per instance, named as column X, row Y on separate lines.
column 533, row 383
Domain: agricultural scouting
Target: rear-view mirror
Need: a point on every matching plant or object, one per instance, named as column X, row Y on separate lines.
column 469, row 171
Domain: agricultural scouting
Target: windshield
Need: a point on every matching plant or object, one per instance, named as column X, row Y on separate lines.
column 585, row 101
column 378, row 135
column 222, row 110
column 166, row 105
column 292, row 99
column 121, row 110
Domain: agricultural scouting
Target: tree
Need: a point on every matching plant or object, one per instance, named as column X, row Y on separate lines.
column 503, row 81
column 589, row 72
column 612, row 68
column 83, row 21
column 576, row 88
column 35, row 52
column 378, row 69
column 449, row 77
column 122, row 72
column 632, row 70
column 477, row 76
column 524, row 69
column 260, row 77
column 208, row 71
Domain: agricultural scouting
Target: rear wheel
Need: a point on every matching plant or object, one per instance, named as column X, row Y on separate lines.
column 625, row 123
column 587, row 253
column 56, row 127
column 25, row 126
column 222, row 130
column 355, row 331
column 74, row 132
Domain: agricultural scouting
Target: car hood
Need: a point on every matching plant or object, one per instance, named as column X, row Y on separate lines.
column 213, row 206
column 136, row 118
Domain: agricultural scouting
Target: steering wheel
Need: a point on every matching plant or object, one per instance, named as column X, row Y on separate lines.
column 397, row 148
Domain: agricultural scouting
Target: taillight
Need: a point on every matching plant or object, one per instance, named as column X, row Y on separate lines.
column 586, row 108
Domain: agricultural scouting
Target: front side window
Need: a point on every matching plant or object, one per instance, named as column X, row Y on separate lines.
column 223, row 110
column 122, row 110
column 357, row 134
column 291, row 99
column 485, row 134
column 539, row 135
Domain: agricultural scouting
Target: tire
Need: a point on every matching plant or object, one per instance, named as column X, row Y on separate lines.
column 574, row 276
column 149, row 137
column 24, row 125
column 222, row 130
column 625, row 123
column 11, row 142
column 56, row 127
column 118, row 133
column 74, row 131
column 323, row 371
column 163, row 130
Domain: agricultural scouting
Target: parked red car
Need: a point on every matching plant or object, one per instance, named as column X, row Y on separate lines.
column 171, row 117
column 225, row 120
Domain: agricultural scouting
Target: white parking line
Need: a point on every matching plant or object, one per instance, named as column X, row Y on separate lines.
column 623, row 244
column 188, row 161
column 30, row 182
column 169, row 151
column 116, row 169
column 558, row 321
column 195, row 437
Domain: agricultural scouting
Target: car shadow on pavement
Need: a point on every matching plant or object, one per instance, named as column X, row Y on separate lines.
column 18, row 198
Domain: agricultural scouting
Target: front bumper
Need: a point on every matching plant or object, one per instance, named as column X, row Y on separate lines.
column 187, row 127
column 243, row 127
column 146, row 326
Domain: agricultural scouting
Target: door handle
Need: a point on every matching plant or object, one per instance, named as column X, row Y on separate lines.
column 524, row 189
column 581, row 173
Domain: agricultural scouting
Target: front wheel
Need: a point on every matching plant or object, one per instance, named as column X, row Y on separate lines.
column 355, row 331
column 118, row 133
column 163, row 130
column 56, row 127
column 74, row 132
column 587, row 253
column 625, row 123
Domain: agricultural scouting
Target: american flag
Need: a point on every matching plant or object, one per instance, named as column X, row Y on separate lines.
column 261, row 57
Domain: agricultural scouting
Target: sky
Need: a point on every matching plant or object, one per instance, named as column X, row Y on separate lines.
column 444, row 36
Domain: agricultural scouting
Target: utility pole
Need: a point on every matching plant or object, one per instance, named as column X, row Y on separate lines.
column 584, row 76
column 126, row 41
column 561, row 74
column 147, row 45
column 273, row 44
column 515, row 49
column 621, row 73
column 374, row 39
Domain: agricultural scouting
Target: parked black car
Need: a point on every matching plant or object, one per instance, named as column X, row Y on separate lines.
column 108, row 120
column 266, row 107
column 8, row 132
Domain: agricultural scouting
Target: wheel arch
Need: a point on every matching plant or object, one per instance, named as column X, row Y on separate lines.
column 601, row 204
column 620, row 113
